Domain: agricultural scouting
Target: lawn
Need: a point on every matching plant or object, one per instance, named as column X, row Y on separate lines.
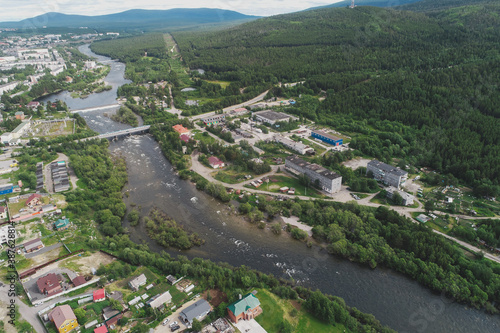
column 207, row 139
column 231, row 176
column 223, row 84
column 275, row 309
column 276, row 182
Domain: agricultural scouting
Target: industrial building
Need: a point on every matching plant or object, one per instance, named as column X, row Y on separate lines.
column 39, row 176
column 6, row 189
column 326, row 137
column 297, row 147
column 329, row 181
column 387, row 174
column 271, row 117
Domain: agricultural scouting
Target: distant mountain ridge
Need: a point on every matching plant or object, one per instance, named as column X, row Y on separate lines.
column 374, row 3
column 132, row 19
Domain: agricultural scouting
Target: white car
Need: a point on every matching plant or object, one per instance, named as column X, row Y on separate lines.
column 165, row 321
column 173, row 324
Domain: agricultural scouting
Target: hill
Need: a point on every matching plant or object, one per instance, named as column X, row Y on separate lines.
column 374, row 3
column 433, row 5
column 133, row 19
column 411, row 85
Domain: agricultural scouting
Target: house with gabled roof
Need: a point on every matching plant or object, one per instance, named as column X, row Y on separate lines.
column 245, row 308
column 64, row 318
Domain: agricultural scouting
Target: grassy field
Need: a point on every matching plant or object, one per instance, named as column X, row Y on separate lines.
column 230, row 176
column 223, row 84
column 200, row 136
column 274, row 310
column 276, row 182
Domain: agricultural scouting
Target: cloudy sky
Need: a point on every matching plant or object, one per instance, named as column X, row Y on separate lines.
column 15, row 10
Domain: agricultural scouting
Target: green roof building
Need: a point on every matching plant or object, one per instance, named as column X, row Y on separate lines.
column 245, row 308
column 61, row 224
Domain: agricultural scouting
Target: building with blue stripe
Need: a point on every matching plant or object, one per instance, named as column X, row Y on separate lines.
column 328, row 138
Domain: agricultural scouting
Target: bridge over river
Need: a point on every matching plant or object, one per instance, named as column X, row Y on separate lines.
column 102, row 107
column 121, row 133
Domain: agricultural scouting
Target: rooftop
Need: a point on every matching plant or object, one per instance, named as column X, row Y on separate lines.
column 327, row 135
column 244, row 304
column 313, row 167
column 387, row 168
column 60, row 314
column 196, row 309
column 272, row 115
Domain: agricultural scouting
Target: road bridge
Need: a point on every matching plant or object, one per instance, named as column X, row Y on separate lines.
column 121, row 133
column 102, row 107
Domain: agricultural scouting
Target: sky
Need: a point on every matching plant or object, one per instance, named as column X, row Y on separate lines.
column 15, row 10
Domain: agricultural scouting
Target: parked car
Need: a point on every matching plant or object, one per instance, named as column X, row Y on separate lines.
column 173, row 324
column 174, row 328
column 165, row 321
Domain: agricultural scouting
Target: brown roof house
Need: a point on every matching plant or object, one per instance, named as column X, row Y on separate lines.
column 64, row 318
column 34, row 200
column 33, row 245
column 49, row 284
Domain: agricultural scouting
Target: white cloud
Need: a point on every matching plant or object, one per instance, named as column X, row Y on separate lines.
column 15, row 10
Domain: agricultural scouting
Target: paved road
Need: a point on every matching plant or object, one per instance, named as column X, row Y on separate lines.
column 470, row 247
column 232, row 107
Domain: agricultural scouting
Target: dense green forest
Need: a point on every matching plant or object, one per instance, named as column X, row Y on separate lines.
column 411, row 85
column 132, row 48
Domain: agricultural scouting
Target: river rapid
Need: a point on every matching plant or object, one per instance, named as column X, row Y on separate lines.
column 394, row 299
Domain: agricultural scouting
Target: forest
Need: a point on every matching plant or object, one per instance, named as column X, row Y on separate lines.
column 417, row 86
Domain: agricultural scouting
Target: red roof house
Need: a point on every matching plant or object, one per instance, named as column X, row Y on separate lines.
column 99, row 295
column 180, row 129
column 215, row 162
column 101, row 329
column 185, row 138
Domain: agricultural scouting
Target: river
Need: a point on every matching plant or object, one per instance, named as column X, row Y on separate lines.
column 394, row 299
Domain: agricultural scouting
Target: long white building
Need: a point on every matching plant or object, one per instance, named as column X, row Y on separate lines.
column 329, row 181
column 297, row 147
column 387, row 174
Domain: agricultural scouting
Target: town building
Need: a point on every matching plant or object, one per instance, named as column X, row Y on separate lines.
column 6, row 138
column 99, row 295
column 197, row 311
column 19, row 115
column 185, row 138
column 6, row 189
column 245, row 308
column 297, row 147
column 3, row 212
column 21, row 129
column 63, row 318
column 238, row 112
column 180, row 129
column 8, row 87
column 214, row 120
column 215, row 162
column 33, row 245
column 34, row 200
column 61, row 224
column 159, row 300
column 5, row 235
column 327, row 180
column 387, row 174
column 108, row 313
column 326, row 137
column 49, row 284
column 33, row 105
column 408, row 199
column 271, row 117
column 137, row 282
